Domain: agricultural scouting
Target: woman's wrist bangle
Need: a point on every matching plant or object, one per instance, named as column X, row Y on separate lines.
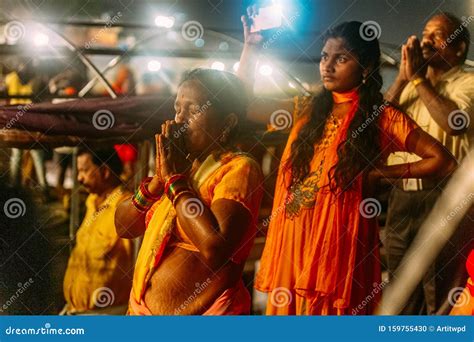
column 173, row 179
column 144, row 187
column 180, row 194
column 176, row 187
column 143, row 200
column 139, row 204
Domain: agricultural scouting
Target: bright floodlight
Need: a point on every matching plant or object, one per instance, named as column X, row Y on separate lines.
column 162, row 21
column 266, row 70
column 154, row 65
column 218, row 66
column 278, row 7
column 41, row 39
column 236, row 66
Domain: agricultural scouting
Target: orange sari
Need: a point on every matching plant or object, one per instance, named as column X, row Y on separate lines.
column 321, row 256
column 236, row 177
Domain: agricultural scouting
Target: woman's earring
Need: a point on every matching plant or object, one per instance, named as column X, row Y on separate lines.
column 459, row 53
column 224, row 135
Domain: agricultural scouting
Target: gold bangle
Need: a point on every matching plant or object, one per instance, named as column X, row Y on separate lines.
column 417, row 81
column 178, row 195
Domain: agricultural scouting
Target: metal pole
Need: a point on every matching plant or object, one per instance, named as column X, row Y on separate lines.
column 440, row 225
column 74, row 218
column 140, row 173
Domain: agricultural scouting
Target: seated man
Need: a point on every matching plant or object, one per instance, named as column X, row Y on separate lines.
column 99, row 271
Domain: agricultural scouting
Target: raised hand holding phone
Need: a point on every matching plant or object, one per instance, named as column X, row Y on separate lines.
column 265, row 18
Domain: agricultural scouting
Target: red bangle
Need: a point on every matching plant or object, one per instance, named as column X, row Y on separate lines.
column 176, row 187
column 146, row 192
column 173, row 179
column 144, row 199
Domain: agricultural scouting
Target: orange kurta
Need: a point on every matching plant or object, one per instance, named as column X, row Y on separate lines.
column 321, row 255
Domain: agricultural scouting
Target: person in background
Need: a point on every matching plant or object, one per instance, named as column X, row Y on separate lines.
column 432, row 88
column 68, row 82
column 124, row 84
column 27, row 81
column 100, row 268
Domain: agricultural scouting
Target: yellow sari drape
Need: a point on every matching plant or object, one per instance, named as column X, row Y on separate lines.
column 157, row 236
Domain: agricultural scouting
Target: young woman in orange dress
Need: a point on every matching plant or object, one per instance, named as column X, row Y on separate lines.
column 322, row 250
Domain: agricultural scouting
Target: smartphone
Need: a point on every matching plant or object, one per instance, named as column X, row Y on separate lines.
column 268, row 18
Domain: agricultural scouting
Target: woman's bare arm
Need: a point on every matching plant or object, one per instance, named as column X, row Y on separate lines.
column 217, row 231
column 260, row 109
column 129, row 222
column 436, row 161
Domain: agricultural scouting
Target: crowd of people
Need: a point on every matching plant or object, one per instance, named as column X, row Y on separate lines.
column 197, row 215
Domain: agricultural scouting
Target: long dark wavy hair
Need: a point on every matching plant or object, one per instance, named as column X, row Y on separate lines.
column 356, row 152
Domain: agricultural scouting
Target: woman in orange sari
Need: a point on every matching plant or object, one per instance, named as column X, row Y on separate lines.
column 198, row 213
column 322, row 251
